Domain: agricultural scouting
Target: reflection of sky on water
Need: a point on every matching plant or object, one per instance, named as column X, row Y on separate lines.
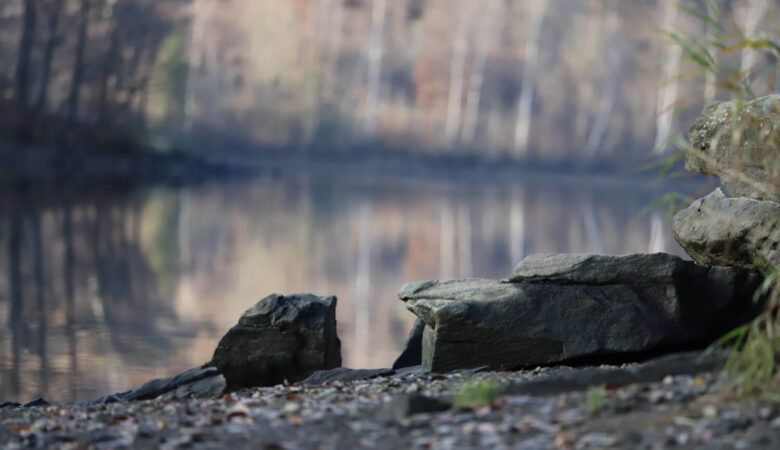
column 106, row 290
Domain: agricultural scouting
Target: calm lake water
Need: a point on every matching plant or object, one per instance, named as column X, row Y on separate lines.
column 103, row 288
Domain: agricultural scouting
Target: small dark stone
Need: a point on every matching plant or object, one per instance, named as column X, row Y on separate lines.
column 631, row 437
column 344, row 374
column 410, row 404
column 62, row 438
column 731, row 425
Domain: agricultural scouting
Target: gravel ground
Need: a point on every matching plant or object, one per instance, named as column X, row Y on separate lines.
column 413, row 410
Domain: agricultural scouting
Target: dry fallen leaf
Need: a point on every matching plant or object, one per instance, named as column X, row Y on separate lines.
column 233, row 414
column 295, row 420
column 363, row 442
column 20, row 428
column 563, row 440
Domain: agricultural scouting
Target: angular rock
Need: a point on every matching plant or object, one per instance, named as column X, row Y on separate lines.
column 343, row 374
column 574, row 307
column 37, row 402
column 411, row 355
column 280, row 338
column 155, row 388
column 108, row 399
column 738, row 232
column 744, row 151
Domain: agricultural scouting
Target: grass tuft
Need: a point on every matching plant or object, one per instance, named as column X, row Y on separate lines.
column 594, row 399
column 474, row 393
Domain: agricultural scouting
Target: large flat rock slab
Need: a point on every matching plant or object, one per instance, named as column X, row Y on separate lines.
column 565, row 307
column 724, row 231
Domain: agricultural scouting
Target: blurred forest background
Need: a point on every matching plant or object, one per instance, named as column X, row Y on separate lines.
column 591, row 82
column 106, row 284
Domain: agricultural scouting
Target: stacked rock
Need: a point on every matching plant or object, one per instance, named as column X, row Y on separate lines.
column 562, row 308
column 740, row 143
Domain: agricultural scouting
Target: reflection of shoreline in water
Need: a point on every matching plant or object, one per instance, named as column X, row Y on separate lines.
column 104, row 291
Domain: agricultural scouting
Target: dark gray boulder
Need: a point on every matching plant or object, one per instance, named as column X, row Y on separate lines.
column 738, row 232
column 280, row 338
column 574, row 307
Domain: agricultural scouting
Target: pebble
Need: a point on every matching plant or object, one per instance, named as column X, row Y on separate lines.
column 348, row 415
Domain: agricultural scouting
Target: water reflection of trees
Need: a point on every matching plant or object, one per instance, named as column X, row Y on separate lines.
column 103, row 289
column 80, row 290
column 361, row 241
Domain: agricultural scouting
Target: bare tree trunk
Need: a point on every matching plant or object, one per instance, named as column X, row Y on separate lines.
column 375, row 53
column 78, row 63
column 196, row 60
column 667, row 93
column 26, row 42
column 107, row 69
column 134, row 71
column 457, row 75
column 317, row 30
column 530, row 66
column 52, row 41
column 336, row 22
column 484, row 33
column 754, row 11
column 609, row 91
column 710, row 77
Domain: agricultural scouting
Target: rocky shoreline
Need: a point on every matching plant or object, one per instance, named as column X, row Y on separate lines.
column 538, row 408
column 513, row 363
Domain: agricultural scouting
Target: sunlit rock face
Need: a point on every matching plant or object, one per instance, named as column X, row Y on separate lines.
column 561, row 307
column 740, row 143
column 280, row 338
column 738, row 232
